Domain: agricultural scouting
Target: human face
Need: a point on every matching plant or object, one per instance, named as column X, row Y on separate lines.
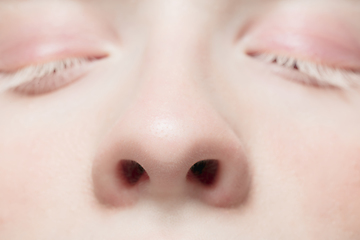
column 179, row 119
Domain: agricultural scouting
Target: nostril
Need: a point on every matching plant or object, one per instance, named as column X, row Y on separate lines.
column 205, row 171
column 131, row 171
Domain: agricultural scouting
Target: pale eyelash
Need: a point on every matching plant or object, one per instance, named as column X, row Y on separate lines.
column 318, row 74
column 11, row 80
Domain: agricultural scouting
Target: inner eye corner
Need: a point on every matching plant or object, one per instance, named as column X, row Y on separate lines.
column 205, row 172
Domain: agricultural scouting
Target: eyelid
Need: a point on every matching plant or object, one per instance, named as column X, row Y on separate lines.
column 303, row 33
column 31, row 78
column 306, row 47
column 314, row 74
column 31, row 34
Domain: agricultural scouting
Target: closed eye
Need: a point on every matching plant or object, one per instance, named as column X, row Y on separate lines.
column 314, row 74
column 43, row 78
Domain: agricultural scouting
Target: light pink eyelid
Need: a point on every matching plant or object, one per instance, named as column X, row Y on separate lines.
column 324, row 41
column 31, row 50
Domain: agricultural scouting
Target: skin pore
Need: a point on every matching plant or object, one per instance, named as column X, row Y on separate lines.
column 173, row 128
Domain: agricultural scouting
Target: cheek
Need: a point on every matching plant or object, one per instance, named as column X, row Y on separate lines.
column 23, row 186
column 333, row 183
column 47, row 149
column 43, row 178
column 326, row 166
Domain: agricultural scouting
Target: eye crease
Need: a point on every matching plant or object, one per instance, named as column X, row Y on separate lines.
column 314, row 74
column 43, row 78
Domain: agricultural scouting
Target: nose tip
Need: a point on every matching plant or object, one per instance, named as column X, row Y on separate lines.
column 197, row 158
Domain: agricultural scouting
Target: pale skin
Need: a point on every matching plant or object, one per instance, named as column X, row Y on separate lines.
column 174, row 83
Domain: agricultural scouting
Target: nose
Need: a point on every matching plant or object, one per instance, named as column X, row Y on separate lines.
column 174, row 149
column 171, row 144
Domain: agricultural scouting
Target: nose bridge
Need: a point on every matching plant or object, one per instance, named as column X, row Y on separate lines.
column 171, row 98
column 176, row 40
column 172, row 59
column 171, row 101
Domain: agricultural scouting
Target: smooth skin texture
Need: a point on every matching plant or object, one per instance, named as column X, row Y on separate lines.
column 175, row 85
